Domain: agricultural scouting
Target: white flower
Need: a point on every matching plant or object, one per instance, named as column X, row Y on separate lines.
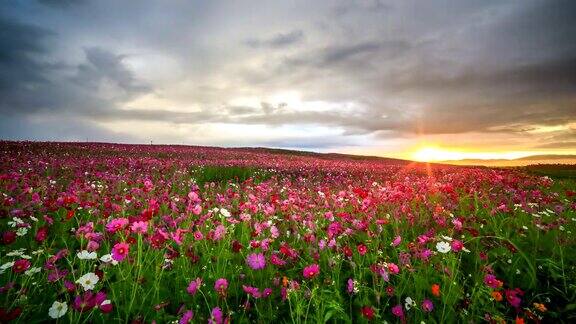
column 15, row 222
column 85, row 255
column 443, row 247
column 409, row 303
column 22, row 231
column 447, row 238
column 32, row 271
column 57, row 309
column 107, row 258
column 6, row 266
column 88, row 281
column 225, row 212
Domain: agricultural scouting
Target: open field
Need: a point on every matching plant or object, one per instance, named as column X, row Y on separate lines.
column 125, row 233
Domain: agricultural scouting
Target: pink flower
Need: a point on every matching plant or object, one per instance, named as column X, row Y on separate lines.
column 396, row 241
column 427, row 305
column 186, row 318
column 197, row 209
column 116, row 224
column 457, row 245
column 217, row 316
column 221, row 285
column 311, row 271
column 393, row 268
column 198, row 235
column 256, row 261
column 139, row 227
column 350, row 286
column 120, row 251
column 193, row 286
column 92, row 246
column 219, row 232
column 491, row 281
column 277, row 261
column 397, row 311
column 362, row 249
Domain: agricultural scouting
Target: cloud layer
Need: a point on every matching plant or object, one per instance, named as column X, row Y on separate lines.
column 320, row 75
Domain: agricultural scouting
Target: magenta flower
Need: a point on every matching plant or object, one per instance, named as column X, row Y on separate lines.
column 193, row 286
column 120, row 251
column 221, row 285
column 350, row 286
column 427, row 305
column 186, row 318
column 217, row 316
column 457, row 245
column 116, row 224
column 397, row 311
column 491, row 281
column 311, row 271
column 256, row 261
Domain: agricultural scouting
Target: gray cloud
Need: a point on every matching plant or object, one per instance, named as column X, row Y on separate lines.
column 278, row 40
column 481, row 66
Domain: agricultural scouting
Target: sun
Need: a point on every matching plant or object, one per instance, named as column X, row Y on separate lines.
column 431, row 153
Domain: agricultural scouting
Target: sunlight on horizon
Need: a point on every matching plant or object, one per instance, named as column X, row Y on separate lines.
column 435, row 154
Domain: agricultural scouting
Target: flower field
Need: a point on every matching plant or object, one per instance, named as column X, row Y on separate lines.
column 103, row 233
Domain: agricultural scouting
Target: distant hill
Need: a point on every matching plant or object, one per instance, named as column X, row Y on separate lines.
column 523, row 161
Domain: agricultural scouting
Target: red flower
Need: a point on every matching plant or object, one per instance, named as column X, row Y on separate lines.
column 21, row 266
column 41, row 234
column 8, row 237
column 368, row 312
column 362, row 249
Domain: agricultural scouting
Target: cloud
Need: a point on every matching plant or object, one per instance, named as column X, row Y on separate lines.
column 378, row 69
column 558, row 145
column 278, row 40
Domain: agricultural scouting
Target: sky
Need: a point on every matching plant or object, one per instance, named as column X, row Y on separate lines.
column 409, row 79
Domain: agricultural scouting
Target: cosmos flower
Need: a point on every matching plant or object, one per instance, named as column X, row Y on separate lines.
column 311, row 271
column 20, row 266
column 427, row 305
column 256, row 261
column 435, row 289
column 120, row 251
column 187, row 317
column 217, row 317
column 193, row 286
column 443, row 247
column 221, row 285
column 362, row 249
column 88, row 281
column 409, row 303
column 57, row 309
column 491, row 281
column 116, row 224
column 398, row 311
column 457, row 245
column 139, row 227
column 85, row 255
column 367, row 312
